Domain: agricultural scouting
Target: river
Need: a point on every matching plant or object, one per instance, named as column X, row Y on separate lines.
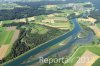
column 46, row 45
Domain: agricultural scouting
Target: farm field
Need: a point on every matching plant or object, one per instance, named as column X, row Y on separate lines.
column 98, row 25
column 2, row 29
column 3, row 51
column 5, row 42
column 96, row 30
column 18, row 20
column 9, row 6
column 5, row 37
column 97, row 63
column 79, row 52
column 61, row 24
column 29, row 30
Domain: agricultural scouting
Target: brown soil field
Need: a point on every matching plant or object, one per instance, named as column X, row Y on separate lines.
column 4, row 48
column 15, row 36
column 3, row 51
column 89, row 19
column 96, row 30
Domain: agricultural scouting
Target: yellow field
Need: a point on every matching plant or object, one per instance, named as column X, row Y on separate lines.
column 87, row 59
column 3, row 51
column 7, row 38
column 89, row 19
column 24, row 20
column 96, row 30
column 51, row 6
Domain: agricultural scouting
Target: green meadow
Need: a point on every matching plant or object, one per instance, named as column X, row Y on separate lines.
column 6, row 36
column 79, row 52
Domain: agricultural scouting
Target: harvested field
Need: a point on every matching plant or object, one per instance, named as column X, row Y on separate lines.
column 57, row 27
column 60, row 19
column 87, row 59
column 51, row 15
column 48, row 21
column 51, row 6
column 3, row 51
column 24, row 20
column 10, row 28
column 31, row 18
column 96, row 30
column 15, row 36
column 89, row 19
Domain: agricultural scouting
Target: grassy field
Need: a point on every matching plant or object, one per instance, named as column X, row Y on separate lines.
column 98, row 25
column 7, row 21
column 2, row 29
column 5, row 42
column 5, row 37
column 39, row 29
column 78, row 53
column 97, row 63
column 68, row 11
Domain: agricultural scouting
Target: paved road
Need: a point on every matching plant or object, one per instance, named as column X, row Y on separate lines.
column 19, row 60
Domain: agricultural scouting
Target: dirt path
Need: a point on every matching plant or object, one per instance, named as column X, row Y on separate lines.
column 15, row 36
